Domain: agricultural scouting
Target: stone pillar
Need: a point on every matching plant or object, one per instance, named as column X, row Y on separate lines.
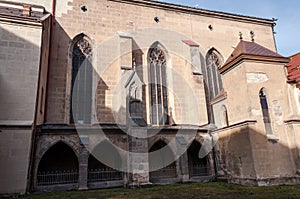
column 83, row 168
column 184, row 167
column 138, row 160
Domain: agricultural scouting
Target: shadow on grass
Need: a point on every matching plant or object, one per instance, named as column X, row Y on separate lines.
column 178, row 191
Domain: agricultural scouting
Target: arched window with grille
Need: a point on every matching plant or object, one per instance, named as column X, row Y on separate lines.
column 158, row 85
column 265, row 111
column 81, row 88
column 213, row 77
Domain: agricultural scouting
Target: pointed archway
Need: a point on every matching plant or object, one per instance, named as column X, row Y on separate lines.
column 159, row 167
column 197, row 166
column 104, row 164
column 59, row 165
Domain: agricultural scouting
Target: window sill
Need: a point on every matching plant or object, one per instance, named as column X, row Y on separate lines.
column 221, row 96
column 272, row 138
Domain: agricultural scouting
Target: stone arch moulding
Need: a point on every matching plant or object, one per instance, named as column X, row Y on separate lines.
column 42, row 150
column 70, row 143
column 157, row 139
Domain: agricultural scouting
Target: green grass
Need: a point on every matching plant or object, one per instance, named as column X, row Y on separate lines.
column 178, row 191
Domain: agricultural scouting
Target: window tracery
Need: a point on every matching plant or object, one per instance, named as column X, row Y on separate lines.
column 213, row 63
column 81, row 88
column 158, row 86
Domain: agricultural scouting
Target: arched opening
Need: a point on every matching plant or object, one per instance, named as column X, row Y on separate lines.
column 197, row 166
column 159, row 163
column 157, row 62
column 81, row 87
column 265, row 111
column 59, row 165
column 224, row 116
column 212, row 75
column 104, row 164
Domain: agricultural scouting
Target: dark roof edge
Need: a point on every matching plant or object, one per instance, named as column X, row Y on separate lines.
column 23, row 20
column 199, row 11
column 250, row 57
column 20, row 4
column 294, row 55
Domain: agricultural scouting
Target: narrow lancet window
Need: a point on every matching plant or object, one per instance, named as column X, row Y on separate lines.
column 265, row 112
column 213, row 77
column 158, row 86
column 81, row 88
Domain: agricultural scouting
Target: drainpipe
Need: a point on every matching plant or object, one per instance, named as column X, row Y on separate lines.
column 50, row 59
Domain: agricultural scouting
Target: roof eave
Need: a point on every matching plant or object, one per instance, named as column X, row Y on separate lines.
column 198, row 11
column 247, row 57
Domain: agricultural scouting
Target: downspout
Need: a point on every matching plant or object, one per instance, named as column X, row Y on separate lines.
column 50, row 59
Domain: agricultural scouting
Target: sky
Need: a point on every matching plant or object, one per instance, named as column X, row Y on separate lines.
column 287, row 13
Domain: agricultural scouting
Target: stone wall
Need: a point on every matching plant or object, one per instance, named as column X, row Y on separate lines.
column 20, row 54
column 102, row 22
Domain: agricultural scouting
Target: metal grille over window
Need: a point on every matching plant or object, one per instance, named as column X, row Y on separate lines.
column 158, row 86
column 81, row 92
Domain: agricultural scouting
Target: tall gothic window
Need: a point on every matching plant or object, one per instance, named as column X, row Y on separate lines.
column 158, row 86
column 214, row 81
column 81, row 90
column 265, row 111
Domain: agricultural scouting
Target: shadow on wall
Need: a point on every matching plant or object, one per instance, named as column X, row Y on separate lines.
column 61, row 79
column 247, row 154
column 20, row 58
column 19, row 72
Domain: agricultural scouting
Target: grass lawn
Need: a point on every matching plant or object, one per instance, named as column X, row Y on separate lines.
column 180, row 191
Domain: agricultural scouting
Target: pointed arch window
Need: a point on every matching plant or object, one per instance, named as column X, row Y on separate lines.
column 158, row 86
column 265, row 111
column 213, row 77
column 81, row 88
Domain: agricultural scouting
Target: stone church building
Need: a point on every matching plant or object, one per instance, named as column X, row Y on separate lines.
column 107, row 93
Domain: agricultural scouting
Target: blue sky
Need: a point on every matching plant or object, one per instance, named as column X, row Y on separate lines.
column 287, row 12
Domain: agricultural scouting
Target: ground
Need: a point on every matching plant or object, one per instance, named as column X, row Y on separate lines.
column 180, row 191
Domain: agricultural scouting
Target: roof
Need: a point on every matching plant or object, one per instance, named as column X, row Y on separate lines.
column 22, row 12
column 252, row 51
column 293, row 69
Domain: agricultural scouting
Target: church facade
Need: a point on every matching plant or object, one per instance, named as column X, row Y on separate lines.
column 108, row 93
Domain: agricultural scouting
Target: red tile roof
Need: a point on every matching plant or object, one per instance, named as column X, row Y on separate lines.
column 190, row 43
column 22, row 11
column 293, row 69
column 252, row 51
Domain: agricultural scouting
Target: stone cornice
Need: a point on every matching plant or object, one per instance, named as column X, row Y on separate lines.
column 236, row 125
column 252, row 58
column 198, row 11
